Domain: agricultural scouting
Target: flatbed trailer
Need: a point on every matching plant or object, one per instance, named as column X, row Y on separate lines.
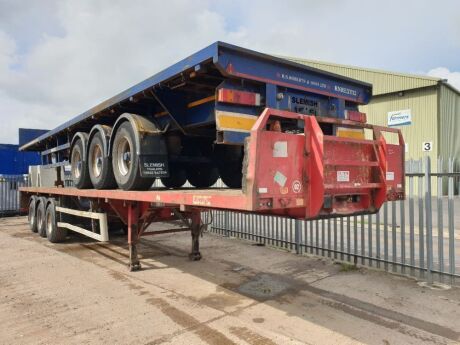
column 287, row 139
column 295, row 175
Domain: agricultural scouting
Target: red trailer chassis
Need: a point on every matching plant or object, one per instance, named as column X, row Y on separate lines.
column 302, row 174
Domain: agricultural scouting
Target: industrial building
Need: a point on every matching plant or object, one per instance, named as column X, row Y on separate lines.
column 426, row 109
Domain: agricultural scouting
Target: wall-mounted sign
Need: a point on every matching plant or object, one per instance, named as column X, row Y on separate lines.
column 399, row 118
column 427, row 146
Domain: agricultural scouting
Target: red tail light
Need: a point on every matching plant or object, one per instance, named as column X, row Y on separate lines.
column 353, row 115
column 238, row 97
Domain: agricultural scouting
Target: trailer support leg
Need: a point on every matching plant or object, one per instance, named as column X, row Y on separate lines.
column 195, row 228
column 133, row 237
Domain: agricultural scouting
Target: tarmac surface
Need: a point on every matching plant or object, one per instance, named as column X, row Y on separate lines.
column 80, row 292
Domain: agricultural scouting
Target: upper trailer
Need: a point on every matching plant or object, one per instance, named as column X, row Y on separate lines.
column 222, row 78
column 190, row 121
column 289, row 136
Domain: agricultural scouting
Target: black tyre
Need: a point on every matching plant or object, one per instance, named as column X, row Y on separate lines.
column 125, row 161
column 229, row 161
column 41, row 213
column 79, row 166
column 32, row 215
column 202, row 175
column 99, row 165
column 53, row 233
column 177, row 176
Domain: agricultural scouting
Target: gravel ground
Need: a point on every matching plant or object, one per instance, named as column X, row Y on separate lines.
column 80, row 292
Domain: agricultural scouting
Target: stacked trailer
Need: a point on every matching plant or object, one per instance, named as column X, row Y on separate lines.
column 286, row 139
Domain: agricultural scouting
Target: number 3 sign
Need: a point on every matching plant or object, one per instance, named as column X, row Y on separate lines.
column 427, row 146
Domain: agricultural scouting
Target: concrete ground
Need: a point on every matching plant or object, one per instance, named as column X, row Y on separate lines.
column 80, row 292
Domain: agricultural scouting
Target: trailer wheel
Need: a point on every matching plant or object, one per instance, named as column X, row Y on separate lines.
column 53, row 233
column 79, row 166
column 229, row 161
column 41, row 214
column 177, row 177
column 202, row 175
column 125, row 161
column 32, row 215
column 100, row 165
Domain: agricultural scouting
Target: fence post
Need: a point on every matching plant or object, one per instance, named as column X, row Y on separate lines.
column 411, row 222
column 440, row 220
column 297, row 236
column 226, row 222
column 450, row 212
column 428, row 221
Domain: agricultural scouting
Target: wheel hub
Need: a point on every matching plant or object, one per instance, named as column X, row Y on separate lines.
column 76, row 164
column 97, row 161
column 124, row 155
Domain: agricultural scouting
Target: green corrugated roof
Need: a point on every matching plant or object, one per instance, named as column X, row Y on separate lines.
column 382, row 81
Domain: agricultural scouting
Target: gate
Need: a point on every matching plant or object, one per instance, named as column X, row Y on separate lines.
column 9, row 194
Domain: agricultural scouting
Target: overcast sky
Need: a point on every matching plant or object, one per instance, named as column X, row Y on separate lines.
column 59, row 58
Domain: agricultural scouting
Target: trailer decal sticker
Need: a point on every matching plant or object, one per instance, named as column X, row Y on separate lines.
column 343, row 176
column 263, row 190
column 202, row 200
column 280, row 179
column 280, row 149
column 296, row 186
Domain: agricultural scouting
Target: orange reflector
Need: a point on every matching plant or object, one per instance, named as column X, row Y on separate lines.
column 238, row 97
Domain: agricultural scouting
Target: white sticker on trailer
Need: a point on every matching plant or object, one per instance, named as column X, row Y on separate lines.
column 390, row 176
column 343, row 176
column 280, row 149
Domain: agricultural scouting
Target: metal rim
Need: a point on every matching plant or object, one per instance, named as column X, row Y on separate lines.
column 49, row 223
column 124, row 154
column 96, row 160
column 76, row 163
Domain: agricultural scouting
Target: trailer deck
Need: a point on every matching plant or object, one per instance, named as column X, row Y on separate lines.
column 220, row 198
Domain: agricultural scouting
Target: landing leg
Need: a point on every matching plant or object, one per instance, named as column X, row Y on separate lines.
column 133, row 237
column 134, row 264
column 195, row 228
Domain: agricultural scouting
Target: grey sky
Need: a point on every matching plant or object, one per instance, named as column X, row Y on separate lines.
column 59, row 58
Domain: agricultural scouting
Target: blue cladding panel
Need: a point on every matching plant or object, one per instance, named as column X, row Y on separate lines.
column 14, row 162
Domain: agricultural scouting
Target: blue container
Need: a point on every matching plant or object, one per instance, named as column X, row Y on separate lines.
column 29, row 134
column 14, row 162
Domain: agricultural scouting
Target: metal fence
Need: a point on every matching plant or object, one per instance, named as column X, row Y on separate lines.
column 417, row 236
column 9, row 194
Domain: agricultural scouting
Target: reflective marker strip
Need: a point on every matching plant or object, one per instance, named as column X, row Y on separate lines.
column 237, row 122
